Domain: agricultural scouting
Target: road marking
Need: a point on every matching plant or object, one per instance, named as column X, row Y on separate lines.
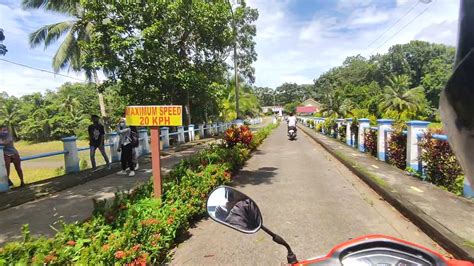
column 375, row 166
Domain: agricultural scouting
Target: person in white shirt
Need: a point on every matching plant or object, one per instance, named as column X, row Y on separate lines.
column 292, row 122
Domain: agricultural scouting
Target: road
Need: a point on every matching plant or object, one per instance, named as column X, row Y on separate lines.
column 307, row 197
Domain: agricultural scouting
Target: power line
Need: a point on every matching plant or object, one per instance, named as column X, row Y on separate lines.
column 406, row 25
column 389, row 28
column 41, row 70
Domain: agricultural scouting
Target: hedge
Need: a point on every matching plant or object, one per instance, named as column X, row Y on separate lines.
column 370, row 141
column 440, row 164
column 135, row 228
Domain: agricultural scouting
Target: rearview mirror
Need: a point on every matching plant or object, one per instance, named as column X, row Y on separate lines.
column 232, row 208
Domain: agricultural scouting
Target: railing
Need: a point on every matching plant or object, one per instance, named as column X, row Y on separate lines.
column 180, row 136
column 416, row 131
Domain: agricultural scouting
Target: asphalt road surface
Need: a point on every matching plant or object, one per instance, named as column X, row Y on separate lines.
column 306, row 196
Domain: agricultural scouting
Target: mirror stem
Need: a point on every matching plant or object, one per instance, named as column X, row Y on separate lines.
column 291, row 257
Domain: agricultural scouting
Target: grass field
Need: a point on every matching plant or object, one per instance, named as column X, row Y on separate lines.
column 41, row 169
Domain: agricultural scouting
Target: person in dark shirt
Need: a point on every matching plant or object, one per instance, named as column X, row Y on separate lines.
column 96, row 140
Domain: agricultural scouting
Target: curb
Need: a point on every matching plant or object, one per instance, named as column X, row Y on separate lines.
column 446, row 238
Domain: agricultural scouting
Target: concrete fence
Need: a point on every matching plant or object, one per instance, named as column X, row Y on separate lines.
column 415, row 132
column 181, row 135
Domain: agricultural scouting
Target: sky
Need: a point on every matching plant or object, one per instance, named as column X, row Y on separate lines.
column 297, row 40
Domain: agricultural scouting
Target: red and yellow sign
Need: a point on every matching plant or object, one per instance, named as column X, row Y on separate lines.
column 154, row 115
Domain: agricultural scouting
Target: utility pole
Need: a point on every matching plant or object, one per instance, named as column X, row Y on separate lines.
column 236, row 63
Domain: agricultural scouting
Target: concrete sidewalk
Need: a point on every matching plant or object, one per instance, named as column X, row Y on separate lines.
column 75, row 203
column 445, row 217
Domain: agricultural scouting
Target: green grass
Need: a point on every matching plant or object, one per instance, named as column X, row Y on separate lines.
column 45, row 168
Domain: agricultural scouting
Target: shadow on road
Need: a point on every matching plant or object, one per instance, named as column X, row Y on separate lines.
column 261, row 176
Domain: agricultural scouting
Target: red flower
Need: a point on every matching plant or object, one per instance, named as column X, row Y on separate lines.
column 106, row 247
column 71, row 243
column 49, row 258
column 136, row 247
column 119, row 254
column 149, row 222
column 170, row 220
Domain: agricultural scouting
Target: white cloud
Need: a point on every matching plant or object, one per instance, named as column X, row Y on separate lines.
column 368, row 16
column 300, row 50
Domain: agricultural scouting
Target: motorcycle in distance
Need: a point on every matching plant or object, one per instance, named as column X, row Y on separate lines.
column 236, row 210
column 291, row 133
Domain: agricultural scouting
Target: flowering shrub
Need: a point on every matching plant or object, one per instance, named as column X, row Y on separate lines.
column 234, row 135
column 397, row 147
column 370, row 141
column 319, row 127
column 136, row 228
column 442, row 167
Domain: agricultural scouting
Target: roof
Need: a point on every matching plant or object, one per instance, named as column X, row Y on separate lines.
column 306, row 109
column 310, row 102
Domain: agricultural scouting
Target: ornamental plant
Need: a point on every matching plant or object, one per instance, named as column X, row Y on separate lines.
column 342, row 133
column 355, row 131
column 370, row 141
column 397, row 146
column 441, row 166
column 235, row 135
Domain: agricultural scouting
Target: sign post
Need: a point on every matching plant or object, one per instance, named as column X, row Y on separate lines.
column 155, row 116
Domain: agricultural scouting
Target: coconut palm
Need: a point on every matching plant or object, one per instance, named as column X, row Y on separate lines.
column 9, row 112
column 75, row 30
column 399, row 98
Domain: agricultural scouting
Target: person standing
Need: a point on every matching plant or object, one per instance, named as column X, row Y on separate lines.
column 10, row 154
column 128, row 138
column 96, row 141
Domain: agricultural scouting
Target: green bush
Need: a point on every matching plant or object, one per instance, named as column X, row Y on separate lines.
column 355, row 131
column 441, row 166
column 342, row 133
column 370, row 141
column 397, row 147
column 135, row 227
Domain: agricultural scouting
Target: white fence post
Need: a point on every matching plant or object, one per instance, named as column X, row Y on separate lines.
column 348, row 131
column 4, row 187
column 191, row 132
column 145, row 145
column 165, row 133
column 71, row 158
column 201, row 131
column 383, row 125
column 339, row 124
column 181, row 138
column 414, row 128
column 363, row 124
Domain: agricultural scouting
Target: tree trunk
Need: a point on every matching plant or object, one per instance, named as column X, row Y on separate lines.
column 103, row 113
column 188, row 108
column 237, row 108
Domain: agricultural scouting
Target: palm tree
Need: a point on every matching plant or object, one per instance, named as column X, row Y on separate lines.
column 76, row 30
column 9, row 113
column 399, row 98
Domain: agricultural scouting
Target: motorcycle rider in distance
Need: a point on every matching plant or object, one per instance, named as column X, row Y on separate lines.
column 291, row 122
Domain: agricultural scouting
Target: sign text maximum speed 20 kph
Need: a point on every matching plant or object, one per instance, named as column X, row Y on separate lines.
column 154, row 115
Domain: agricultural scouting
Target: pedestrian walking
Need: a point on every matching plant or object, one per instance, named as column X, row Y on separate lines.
column 10, row 154
column 128, row 139
column 96, row 141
